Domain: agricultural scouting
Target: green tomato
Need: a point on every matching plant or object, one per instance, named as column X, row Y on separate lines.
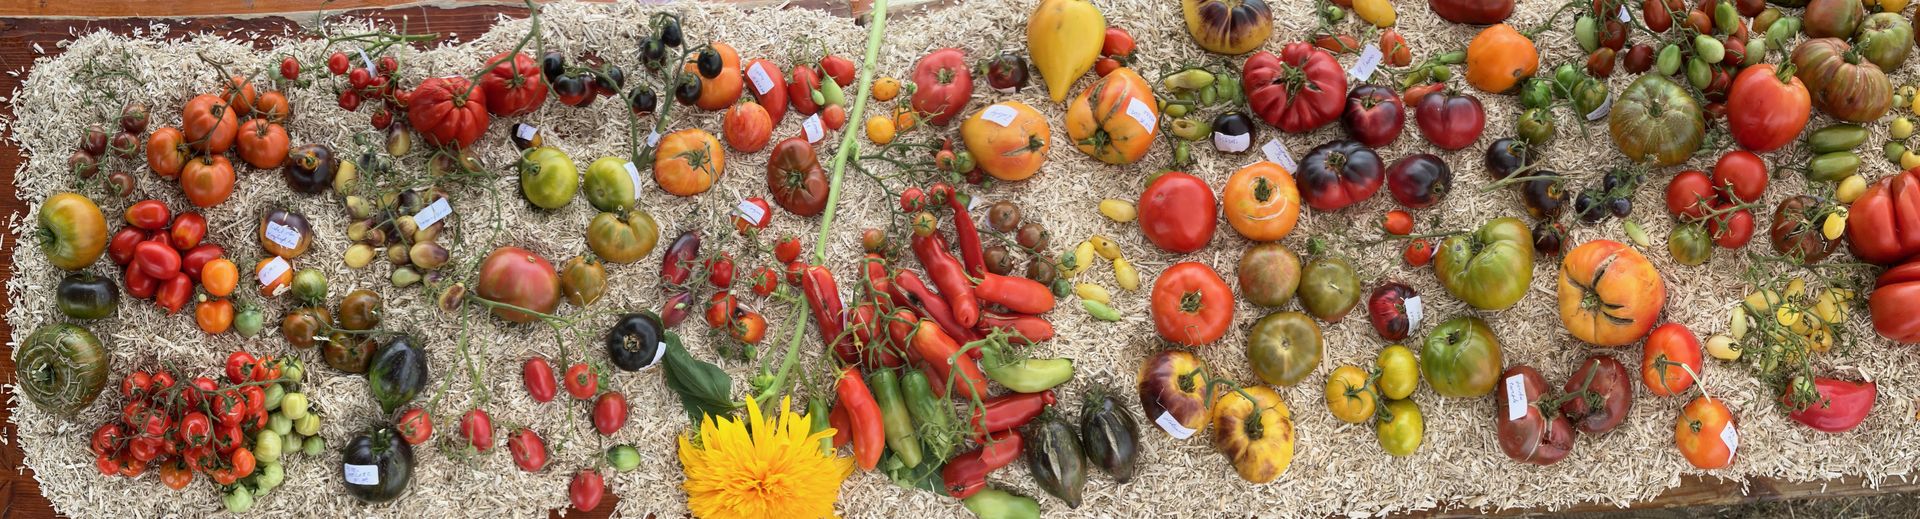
column 266, row 446
column 1402, row 428
column 1566, row 76
column 292, row 369
column 548, row 177
column 1284, row 348
column 270, row 477
column 1329, row 288
column 276, row 395
column 623, row 457
column 294, row 405
column 279, row 423
column 1269, row 274
column 1586, row 30
column 993, row 503
column 313, row 446
column 310, row 285
column 238, row 501
column 1588, row 96
column 1536, row 93
column 1489, row 268
column 1690, row 245
column 1668, row 61
column 1535, row 126
column 612, row 184
column 308, row 425
column 1709, row 49
column 249, row 321
column 1461, row 358
column 1399, row 372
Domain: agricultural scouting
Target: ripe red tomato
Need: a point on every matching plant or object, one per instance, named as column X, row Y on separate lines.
column 1742, row 174
column 720, row 270
column 764, row 281
column 1191, row 304
column 107, row 438
column 1670, row 360
column 913, row 200
column 446, row 111
column 720, row 309
column 196, row 430
column 1690, row 195
column 151, row 215
column 1732, row 230
column 139, row 284
column 290, row 68
column 477, row 428
column 1702, row 433
column 581, row 381
column 1895, row 304
column 529, row 451
column 537, row 375
column 1883, row 225
column 787, row 250
column 195, row 259
column 609, row 413
column 1419, row 252
column 1397, row 222
column 173, row 293
column 514, row 86
column 415, row 426
column 239, row 366
column 136, row 385
column 586, row 490
column 1766, row 110
column 1178, row 212
column 120, row 248
column 187, row 231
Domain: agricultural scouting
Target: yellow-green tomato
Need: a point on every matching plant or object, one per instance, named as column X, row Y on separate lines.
column 1399, row 372
column 548, row 177
column 1402, row 429
column 294, row 406
column 266, row 446
column 612, row 183
column 1348, row 396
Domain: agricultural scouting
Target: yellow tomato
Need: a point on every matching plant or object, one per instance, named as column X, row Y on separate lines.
column 1376, row 12
column 1349, row 396
column 1253, row 428
column 1723, row 347
column 1399, row 372
column 880, row 129
column 1850, row 189
column 885, row 89
column 1401, row 431
column 1064, row 39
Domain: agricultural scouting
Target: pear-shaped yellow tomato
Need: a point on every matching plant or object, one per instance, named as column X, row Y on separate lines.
column 1064, row 39
column 1115, row 119
column 1009, row 140
column 1253, row 428
column 1349, row 395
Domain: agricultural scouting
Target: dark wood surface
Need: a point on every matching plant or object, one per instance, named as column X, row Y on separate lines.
column 24, row 23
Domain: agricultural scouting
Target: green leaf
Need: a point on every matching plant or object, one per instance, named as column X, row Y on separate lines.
column 704, row 388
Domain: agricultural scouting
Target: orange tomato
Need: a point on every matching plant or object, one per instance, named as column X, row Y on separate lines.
column 1706, row 435
column 1115, row 119
column 220, row 277
column 885, row 89
column 273, row 107
column 719, row 92
column 239, row 92
column 175, row 474
column 1610, row 295
column 880, row 129
column 207, row 181
column 904, row 118
column 275, row 281
column 210, row 124
column 214, row 317
column 1670, row 360
column 688, row 162
column 263, row 144
column 167, row 152
column 747, row 127
column 1261, row 201
column 1009, row 140
column 1499, row 58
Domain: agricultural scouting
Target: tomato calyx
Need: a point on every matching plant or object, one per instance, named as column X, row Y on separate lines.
column 1192, row 302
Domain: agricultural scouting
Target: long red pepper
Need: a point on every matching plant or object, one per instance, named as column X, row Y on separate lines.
column 1018, row 294
column 967, row 472
column 1026, row 329
column 879, row 282
column 947, row 276
column 842, row 427
column 1844, row 404
column 863, row 418
column 931, row 305
column 1009, row 411
column 870, row 336
column 939, row 352
column 965, row 234
column 823, row 301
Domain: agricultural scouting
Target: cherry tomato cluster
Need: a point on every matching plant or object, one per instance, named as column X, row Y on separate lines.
column 1717, row 206
column 579, row 86
column 96, row 147
column 164, row 257
column 367, row 84
column 234, row 429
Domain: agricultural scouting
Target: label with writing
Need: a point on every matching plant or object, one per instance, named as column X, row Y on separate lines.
column 282, row 235
column 273, row 270
column 1516, row 397
column 433, row 213
column 811, row 127
column 525, row 131
column 633, row 175
column 758, row 75
column 1173, row 426
column 1000, row 114
column 1368, row 62
column 1277, row 154
column 1414, row 312
column 1605, row 108
column 362, row 474
column 1143, row 114
column 1732, row 439
column 752, row 213
column 1232, row 143
column 653, row 138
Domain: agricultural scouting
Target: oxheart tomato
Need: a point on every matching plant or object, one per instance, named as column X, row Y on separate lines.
column 1261, row 201
column 1115, row 119
column 514, row 86
column 1706, row 434
column 1374, row 115
column 1610, row 295
column 207, row 181
column 1489, row 268
column 1419, row 181
column 1767, row 108
column 795, row 178
column 769, row 87
column 1009, row 140
column 518, row 277
column 1525, row 432
column 1883, row 225
column 1192, row 306
column 1670, row 361
column 1171, row 214
column 942, row 85
column 1741, row 174
column 1895, row 304
column 448, row 112
column 1840, row 406
column 1297, row 91
column 1450, row 120
column 1339, row 174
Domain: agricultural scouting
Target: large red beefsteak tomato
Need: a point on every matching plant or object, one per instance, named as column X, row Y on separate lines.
column 1895, row 304
column 1883, row 225
column 1298, row 91
column 514, row 86
column 448, row 111
column 1767, row 108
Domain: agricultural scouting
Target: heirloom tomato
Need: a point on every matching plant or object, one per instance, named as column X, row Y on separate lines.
column 1656, row 120
column 1301, row 89
column 72, row 231
column 1526, row 432
column 518, row 277
column 1329, row 288
column 795, row 178
column 513, row 86
column 1374, row 115
column 1253, row 428
column 942, row 85
column 1705, row 433
column 747, row 127
column 1284, row 348
column 1461, row 358
column 722, row 89
column 1170, row 214
column 1489, row 268
column 1192, row 306
column 1339, row 174
column 1670, row 361
column 1883, row 224
column 1499, row 58
column 168, row 152
column 1115, row 119
column 1173, row 392
column 1228, row 26
column 1842, row 84
column 209, row 123
column 1450, row 120
column 688, row 162
column 1261, row 201
column 1269, row 274
column 1009, row 140
column 1419, row 181
column 1610, row 295
column 1767, row 108
column 448, row 112
column 1895, row 304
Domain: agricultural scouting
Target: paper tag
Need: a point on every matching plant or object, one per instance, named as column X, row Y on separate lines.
column 282, row 235
column 633, row 175
column 811, row 127
column 273, row 270
column 752, row 213
column 1277, row 154
column 1732, row 439
column 433, row 213
column 1624, row 17
column 1605, row 108
column 653, row 138
column 1516, row 397
column 1369, row 61
column 1000, row 114
column 365, row 59
column 1232, row 143
column 659, row 350
column 758, row 74
column 1173, row 426
column 525, row 132
column 1143, row 114
column 1413, row 312
column 362, row 474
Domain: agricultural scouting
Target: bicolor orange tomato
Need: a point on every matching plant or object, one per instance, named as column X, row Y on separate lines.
column 1610, row 295
column 1009, row 140
column 1115, row 119
column 1262, row 202
column 688, row 162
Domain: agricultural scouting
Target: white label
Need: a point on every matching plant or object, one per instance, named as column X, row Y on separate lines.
column 1606, row 107
column 525, row 132
column 1413, row 312
column 282, row 235
column 811, row 127
column 273, row 270
column 1516, row 397
column 1277, row 154
column 653, row 138
column 752, row 213
column 633, row 175
column 1000, row 114
column 365, row 59
column 1732, row 439
column 362, row 474
column 1232, row 143
column 758, row 74
column 1143, row 114
column 659, row 350
column 433, row 213
column 1624, row 17
column 1173, row 426
column 1369, row 61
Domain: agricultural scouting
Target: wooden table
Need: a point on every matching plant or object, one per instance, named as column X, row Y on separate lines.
column 24, row 23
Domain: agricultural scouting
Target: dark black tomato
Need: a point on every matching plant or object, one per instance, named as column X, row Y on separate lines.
column 553, row 65
column 1589, row 207
column 653, row 54
column 1544, row 197
column 670, row 32
column 376, row 465
column 641, row 100
column 83, row 295
column 608, row 82
column 688, row 90
column 636, row 341
column 999, row 260
column 1620, row 206
column 1232, row 132
column 570, row 89
column 1506, row 156
column 708, row 63
column 592, row 87
column 1549, row 237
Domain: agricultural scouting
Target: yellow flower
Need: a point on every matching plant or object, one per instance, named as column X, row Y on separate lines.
column 768, row 469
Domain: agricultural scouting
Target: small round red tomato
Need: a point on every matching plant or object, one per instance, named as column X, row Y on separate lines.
column 529, row 451
column 195, row 430
column 1732, row 230
column 1670, row 360
column 107, row 438
column 188, row 230
column 1742, row 174
column 239, row 366
column 1191, row 304
column 136, row 385
column 764, row 281
column 415, row 426
column 720, row 309
column 1690, row 195
column 151, row 215
column 720, row 270
column 1178, row 212
column 586, row 490
column 107, row 465
column 787, row 250
column 1419, row 252
column 477, row 428
column 120, row 248
column 581, row 381
column 609, row 413
column 537, row 375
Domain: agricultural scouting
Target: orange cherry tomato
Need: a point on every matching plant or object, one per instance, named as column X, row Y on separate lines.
column 1670, row 360
column 220, row 277
column 214, row 317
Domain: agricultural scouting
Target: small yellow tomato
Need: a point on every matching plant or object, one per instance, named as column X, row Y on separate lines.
column 1850, row 189
column 1400, row 432
column 1399, row 372
column 1349, row 396
column 1909, row 160
column 1723, row 347
column 1377, row 12
column 880, row 130
column 1835, row 224
column 1901, row 128
column 1118, row 210
column 1738, row 327
column 1092, row 292
column 1124, row 274
column 885, row 89
column 1082, row 259
column 1106, row 248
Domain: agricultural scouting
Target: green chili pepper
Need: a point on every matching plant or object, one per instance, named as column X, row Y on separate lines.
column 819, row 410
column 932, row 416
column 1100, row 311
column 893, row 413
column 1022, row 375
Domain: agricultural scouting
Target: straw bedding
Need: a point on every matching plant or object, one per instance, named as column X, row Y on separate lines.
column 1338, row 469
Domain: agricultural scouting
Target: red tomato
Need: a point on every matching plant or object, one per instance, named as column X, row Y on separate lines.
column 1895, row 304
column 1419, row 252
column 136, row 385
column 1883, row 225
column 1690, row 195
column 477, row 428
column 1117, row 44
column 415, row 426
column 187, row 231
column 107, row 438
column 156, row 260
column 1178, row 212
column 1702, row 432
column 720, row 270
column 609, row 413
column 120, row 248
column 242, row 461
column 1191, row 304
column 764, row 281
column 151, row 215
column 719, row 312
column 1732, row 230
column 740, row 222
column 529, row 451
column 581, row 381
column 107, row 465
column 172, row 294
column 196, row 430
column 913, row 200
column 1397, row 222
column 586, row 490
column 1670, row 361
column 447, row 112
column 514, row 86
column 787, row 250
column 942, row 85
column 1742, row 174
column 1301, row 89
column 240, row 366
column 196, row 258
column 1767, row 107
column 139, row 284
column 537, row 375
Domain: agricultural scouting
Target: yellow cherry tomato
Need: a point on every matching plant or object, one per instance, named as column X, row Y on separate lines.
column 880, row 129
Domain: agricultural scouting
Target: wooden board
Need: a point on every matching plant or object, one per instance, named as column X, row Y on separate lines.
column 46, row 22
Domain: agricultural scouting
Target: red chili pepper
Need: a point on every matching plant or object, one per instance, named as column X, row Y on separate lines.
column 967, row 473
column 932, row 306
column 938, row 351
column 1844, row 404
column 965, row 233
column 1009, row 411
column 863, row 418
column 842, row 426
column 1026, row 329
column 823, row 300
column 900, row 326
column 1020, row 295
column 864, row 321
column 878, row 283
column 947, row 276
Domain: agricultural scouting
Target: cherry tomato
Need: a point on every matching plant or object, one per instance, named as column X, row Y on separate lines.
column 175, row 474
column 1690, row 195
column 787, row 250
column 764, row 281
column 720, row 309
column 529, row 451
column 415, row 426
column 214, row 317
column 173, row 294
column 196, row 430
column 720, row 270
column 581, row 381
column 609, row 413
column 1732, row 230
column 337, row 63
column 150, row 215
column 107, row 438
column 136, row 385
column 477, row 428
column 1397, row 222
column 139, row 284
column 120, row 248
column 187, row 231
column 586, row 489
column 107, row 465
column 156, row 260
column 913, row 200
column 1742, row 174
column 240, row 366
column 1419, row 252
column 289, row 68
column 537, row 376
